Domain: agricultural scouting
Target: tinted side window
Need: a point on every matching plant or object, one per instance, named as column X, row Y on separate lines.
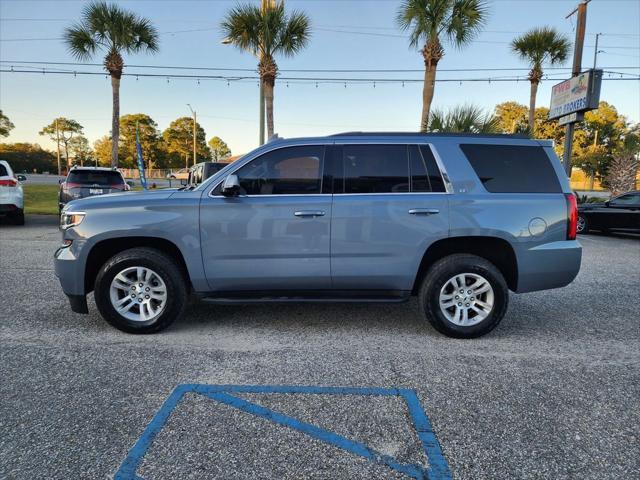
column 631, row 198
column 375, row 168
column 293, row 171
column 512, row 168
column 425, row 174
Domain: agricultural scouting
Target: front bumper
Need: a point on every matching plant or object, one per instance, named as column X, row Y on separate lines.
column 550, row 265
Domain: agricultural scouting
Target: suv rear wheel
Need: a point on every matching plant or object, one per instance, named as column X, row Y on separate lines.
column 464, row 296
column 140, row 290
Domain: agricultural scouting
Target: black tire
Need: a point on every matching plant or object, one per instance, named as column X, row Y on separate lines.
column 161, row 264
column 585, row 228
column 18, row 217
column 440, row 273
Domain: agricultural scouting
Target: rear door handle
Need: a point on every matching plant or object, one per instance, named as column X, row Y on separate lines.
column 309, row 213
column 424, row 211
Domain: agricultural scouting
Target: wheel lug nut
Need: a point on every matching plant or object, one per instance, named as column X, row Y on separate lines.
column 139, row 300
column 459, row 304
column 457, row 297
column 140, row 284
column 469, row 292
column 461, row 291
column 466, row 304
column 133, row 295
column 133, row 287
column 147, row 289
column 472, row 299
column 146, row 296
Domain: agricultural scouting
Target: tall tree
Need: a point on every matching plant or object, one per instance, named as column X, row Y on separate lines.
column 511, row 117
column 102, row 150
column 538, row 47
column 219, row 149
column 265, row 33
column 62, row 130
column 150, row 140
column 463, row 118
column 178, row 138
column 5, row 125
column 80, row 149
column 111, row 29
column 433, row 22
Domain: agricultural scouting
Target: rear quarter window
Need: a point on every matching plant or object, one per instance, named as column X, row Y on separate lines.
column 512, row 168
column 3, row 171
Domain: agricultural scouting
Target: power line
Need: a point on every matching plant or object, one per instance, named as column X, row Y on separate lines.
column 293, row 80
column 308, row 70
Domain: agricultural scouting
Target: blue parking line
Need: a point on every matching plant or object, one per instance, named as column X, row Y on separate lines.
column 438, row 468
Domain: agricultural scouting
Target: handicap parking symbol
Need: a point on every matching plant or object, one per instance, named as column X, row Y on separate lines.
column 437, row 469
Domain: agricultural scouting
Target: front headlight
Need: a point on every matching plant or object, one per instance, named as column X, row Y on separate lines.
column 71, row 219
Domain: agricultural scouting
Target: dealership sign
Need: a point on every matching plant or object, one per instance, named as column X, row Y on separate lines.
column 578, row 94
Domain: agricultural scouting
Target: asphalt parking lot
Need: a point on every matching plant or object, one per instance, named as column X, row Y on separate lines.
column 553, row 392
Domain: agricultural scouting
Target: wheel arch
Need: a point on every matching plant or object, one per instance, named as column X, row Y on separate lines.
column 496, row 250
column 105, row 249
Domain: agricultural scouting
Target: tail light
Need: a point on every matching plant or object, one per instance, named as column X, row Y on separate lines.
column 8, row 183
column 572, row 216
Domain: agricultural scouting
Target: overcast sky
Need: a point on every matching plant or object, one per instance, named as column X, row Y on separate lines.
column 347, row 34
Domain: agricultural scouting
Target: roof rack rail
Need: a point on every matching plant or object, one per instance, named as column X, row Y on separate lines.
column 431, row 134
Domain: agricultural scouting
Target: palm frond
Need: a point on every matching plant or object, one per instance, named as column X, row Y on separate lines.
column 463, row 119
column 467, row 19
column 266, row 32
column 541, row 45
column 109, row 27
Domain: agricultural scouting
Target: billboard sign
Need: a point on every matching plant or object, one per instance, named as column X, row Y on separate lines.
column 578, row 94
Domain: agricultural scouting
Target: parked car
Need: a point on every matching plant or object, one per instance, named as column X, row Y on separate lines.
column 620, row 214
column 181, row 174
column 84, row 182
column 201, row 171
column 456, row 220
column 11, row 194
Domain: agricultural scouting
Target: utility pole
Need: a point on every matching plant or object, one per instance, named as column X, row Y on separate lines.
column 577, row 67
column 194, row 133
column 596, row 52
column 58, row 146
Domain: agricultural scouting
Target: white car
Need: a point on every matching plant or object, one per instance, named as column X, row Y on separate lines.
column 11, row 194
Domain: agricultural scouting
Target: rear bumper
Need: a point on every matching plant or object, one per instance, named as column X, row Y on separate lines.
column 9, row 208
column 550, row 265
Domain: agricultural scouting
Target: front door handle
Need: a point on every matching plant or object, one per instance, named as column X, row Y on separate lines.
column 424, row 211
column 309, row 213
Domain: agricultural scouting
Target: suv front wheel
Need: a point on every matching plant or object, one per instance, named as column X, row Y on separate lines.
column 464, row 296
column 140, row 290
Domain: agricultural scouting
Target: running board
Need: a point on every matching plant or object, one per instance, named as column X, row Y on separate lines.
column 317, row 296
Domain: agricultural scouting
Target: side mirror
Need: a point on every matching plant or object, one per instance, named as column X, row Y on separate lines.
column 231, row 186
column 60, row 180
column 607, row 203
column 21, row 178
column 183, row 182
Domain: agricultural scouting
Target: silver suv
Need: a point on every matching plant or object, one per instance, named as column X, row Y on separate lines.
column 456, row 220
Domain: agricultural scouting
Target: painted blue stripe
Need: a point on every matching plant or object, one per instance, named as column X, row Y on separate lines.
column 201, row 388
column 331, row 438
column 438, row 467
column 127, row 470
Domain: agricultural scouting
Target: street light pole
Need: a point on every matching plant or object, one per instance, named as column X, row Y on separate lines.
column 194, row 133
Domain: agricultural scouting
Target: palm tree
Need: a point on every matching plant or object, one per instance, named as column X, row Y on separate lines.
column 434, row 21
column 539, row 46
column 463, row 119
column 266, row 32
column 116, row 31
